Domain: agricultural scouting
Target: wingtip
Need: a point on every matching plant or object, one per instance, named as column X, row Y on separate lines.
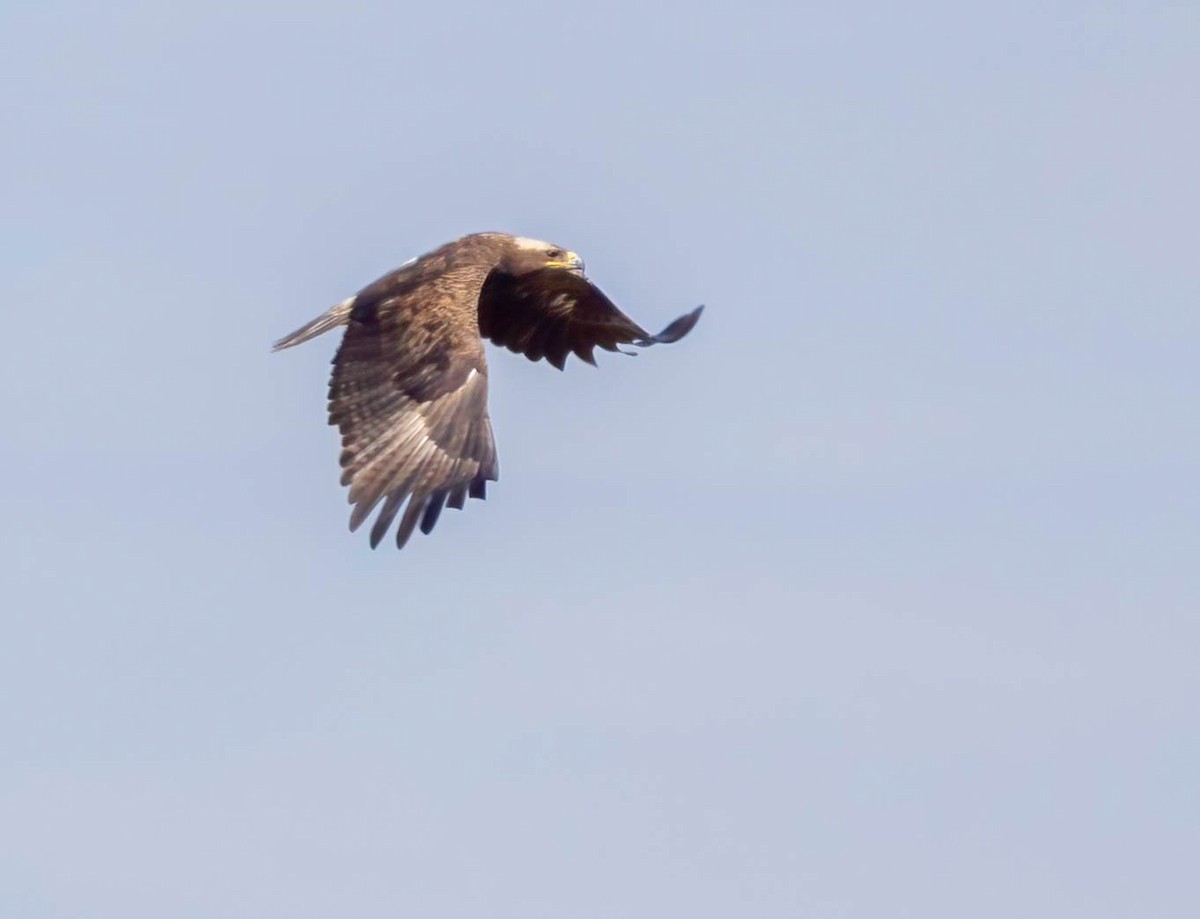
column 674, row 330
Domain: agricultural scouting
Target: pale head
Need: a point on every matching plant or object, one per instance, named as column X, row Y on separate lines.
column 525, row 255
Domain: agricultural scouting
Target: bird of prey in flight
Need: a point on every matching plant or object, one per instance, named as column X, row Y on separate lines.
column 409, row 385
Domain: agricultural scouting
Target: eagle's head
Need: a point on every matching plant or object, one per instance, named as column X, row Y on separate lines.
column 524, row 255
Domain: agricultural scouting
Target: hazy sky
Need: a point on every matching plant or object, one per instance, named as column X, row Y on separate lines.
column 877, row 596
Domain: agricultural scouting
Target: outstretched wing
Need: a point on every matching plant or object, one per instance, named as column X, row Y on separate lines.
column 409, row 395
column 553, row 312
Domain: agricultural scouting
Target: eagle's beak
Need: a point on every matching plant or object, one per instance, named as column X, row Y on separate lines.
column 569, row 262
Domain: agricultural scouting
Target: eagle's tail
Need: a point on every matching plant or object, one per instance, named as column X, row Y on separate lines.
column 338, row 315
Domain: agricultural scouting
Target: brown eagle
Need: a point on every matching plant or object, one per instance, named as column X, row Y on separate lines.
column 409, row 385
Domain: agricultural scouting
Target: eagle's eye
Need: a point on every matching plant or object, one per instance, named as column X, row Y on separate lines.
column 555, row 254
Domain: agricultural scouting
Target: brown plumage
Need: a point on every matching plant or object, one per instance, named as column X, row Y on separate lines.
column 409, row 384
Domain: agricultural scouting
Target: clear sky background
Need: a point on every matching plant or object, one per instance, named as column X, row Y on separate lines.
column 876, row 596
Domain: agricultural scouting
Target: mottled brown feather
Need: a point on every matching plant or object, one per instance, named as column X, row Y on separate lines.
column 409, row 394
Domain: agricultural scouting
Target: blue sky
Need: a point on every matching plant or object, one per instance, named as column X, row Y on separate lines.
column 875, row 596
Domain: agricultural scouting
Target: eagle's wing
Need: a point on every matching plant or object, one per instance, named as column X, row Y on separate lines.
column 552, row 312
column 409, row 395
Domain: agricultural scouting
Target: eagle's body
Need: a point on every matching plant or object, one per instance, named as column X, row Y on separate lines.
column 409, row 384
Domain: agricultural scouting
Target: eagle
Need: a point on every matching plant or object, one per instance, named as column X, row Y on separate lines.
column 409, row 386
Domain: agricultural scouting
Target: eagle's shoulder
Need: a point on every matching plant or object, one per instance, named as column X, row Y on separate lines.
column 442, row 284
